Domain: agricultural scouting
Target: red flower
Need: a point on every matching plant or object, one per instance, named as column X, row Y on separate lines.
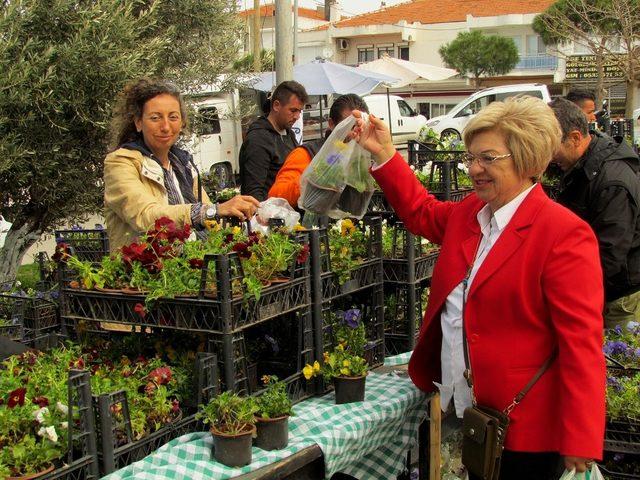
column 161, row 375
column 242, row 249
column 175, row 406
column 40, row 401
column 303, row 255
column 253, row 238
column 140, row 359
column 126, row 372
column 17, row 397
column 62, row 253
column 154, row 267
column 77, row 364
column 196, row 262
column 184, row 234
column 140, row 310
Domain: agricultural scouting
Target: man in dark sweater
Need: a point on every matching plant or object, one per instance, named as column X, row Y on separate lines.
column 270, row 139
column 601, row 185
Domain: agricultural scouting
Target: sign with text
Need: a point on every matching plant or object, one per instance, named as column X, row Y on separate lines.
column 583, row 67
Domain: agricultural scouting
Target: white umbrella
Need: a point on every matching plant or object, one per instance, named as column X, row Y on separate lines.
column 407, row 72
column 321, row 77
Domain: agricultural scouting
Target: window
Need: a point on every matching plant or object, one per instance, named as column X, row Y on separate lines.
column 405, row 109
column 477, row 105
column 209, row 121
column 403, row 53
column 517, row 39
column 531, row 93
column 438, row 109
column 365, row 55
column 388, row 50
column 535, row 46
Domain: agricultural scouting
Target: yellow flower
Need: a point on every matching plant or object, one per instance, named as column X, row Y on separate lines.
column 340, row 347
column 344, row 251
column 265, row 379
column 212, row 225
column 347, row 227
column 236, row 230
column 298, row 228
column 316, row 367
column 307, row 371
column 346, row 363
column 345, row 371
column 325, row 355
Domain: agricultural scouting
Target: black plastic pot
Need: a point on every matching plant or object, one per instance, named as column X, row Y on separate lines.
column 318, row 199
column 354, row 202
column 273, row 433
column 233, row 450
column 349, row 389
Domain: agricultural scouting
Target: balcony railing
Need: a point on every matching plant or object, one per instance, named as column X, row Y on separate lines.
column 537, row 62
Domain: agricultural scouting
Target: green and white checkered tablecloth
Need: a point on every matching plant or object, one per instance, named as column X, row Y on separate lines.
column 367, row 440
column 401, row 359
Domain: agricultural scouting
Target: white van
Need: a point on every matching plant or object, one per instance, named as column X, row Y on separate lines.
column 216, row 142
column 405, row 123
column 453, row 123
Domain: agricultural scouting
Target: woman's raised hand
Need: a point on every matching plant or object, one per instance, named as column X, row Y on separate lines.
column 374, row 137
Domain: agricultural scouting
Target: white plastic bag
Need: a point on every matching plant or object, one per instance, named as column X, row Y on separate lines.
column 323, row 180
column 337, row 182
column 274, row 208
column 592, row 474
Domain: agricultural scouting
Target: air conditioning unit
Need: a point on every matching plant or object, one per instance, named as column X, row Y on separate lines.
column 343, row 44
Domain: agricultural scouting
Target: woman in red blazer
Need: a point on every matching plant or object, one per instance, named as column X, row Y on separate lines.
column 535, row 285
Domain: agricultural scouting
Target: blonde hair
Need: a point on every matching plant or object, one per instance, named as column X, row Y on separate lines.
column 530, row 128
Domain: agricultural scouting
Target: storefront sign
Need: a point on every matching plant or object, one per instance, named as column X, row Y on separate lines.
column 583, row 67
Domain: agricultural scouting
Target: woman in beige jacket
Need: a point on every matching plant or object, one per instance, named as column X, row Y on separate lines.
column 147, row 177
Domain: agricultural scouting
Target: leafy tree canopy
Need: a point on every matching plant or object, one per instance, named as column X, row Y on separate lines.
column 62, row 63
column 476, row 54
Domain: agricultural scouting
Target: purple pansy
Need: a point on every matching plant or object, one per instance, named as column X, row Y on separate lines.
column 352, row 318
column 333, row 158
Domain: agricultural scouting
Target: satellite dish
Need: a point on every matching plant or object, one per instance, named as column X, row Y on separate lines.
column 327, row 52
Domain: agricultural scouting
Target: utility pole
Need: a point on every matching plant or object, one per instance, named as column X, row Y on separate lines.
column 284, row 44
column 257, row 36
column 327, row 10
column 295, row 32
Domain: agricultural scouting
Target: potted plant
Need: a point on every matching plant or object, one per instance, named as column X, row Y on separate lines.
column 347, row 248
column 344, row 365
column 274, row 410
column 360, row 185
column 232, row 420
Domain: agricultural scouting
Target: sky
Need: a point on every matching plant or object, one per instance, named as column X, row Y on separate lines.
column 349, row 7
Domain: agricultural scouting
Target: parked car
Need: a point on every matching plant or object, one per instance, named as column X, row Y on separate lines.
column 405, row 123
column 453, row 123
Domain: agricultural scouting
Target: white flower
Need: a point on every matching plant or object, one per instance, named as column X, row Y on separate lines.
column 51, row 434
column 64, row 425
column 62, row 408
column 41, row 432
column 40, row 414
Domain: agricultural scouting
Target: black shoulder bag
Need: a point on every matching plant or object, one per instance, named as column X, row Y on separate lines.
column 484, row 429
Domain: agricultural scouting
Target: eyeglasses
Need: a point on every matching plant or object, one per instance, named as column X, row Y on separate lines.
column 483, row 159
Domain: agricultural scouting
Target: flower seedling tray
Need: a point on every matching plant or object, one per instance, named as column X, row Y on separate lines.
column 403, row 264
column 622, row 436
column 88, row 245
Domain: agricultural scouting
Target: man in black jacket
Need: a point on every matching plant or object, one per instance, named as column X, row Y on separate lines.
column 270, row 139
column 601, row 185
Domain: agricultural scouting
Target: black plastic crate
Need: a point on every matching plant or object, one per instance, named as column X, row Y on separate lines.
column 622, row 436
column 12, row 317
column 403, row 312
column 379, row 206
column 455, row 195
column 212, row 311
column 88, row 245
column 38, row 316
column 324, row 282
column 616, row 466
column 82, row 460
column 403, row 264
column 117, row 447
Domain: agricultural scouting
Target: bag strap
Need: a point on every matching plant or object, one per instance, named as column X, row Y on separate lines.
column 467, row 361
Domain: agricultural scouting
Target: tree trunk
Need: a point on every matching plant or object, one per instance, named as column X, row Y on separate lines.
column 16, row 244
column 631, row 98
column 600, row 80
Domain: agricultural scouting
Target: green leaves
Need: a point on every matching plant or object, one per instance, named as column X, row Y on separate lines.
column 475, row 54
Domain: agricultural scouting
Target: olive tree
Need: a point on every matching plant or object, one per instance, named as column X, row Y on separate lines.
column 62, row 63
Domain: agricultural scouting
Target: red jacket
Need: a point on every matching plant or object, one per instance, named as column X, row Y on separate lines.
column 540, row 286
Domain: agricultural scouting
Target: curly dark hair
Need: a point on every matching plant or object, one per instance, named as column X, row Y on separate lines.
column 130, row 105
